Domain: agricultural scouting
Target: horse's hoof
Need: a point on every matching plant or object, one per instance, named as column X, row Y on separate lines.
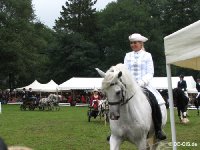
column 184, row 120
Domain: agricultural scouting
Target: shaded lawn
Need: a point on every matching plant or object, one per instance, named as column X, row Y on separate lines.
column 69, row 129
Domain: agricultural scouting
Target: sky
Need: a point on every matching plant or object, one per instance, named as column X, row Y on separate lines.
column 49, row 10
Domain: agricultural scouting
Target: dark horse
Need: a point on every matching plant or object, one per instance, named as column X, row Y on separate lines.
column 181, row 102
column 197, row 103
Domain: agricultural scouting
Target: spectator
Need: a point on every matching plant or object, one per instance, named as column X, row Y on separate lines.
column 83, row 100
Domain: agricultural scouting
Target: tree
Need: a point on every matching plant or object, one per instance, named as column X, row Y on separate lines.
column 77, row 16
column 177, row 14
column 77, row 46
column 21, row 43
column 74, row 56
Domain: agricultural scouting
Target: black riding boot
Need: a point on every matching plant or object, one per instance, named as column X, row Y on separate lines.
column 156, row 115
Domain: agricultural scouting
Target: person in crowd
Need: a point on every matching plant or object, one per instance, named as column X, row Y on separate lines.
column 83, row 100
column 140, row 64
column 69, row 99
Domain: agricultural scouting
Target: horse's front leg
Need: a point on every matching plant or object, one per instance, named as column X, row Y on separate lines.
column 115, row 142
column 142, row 144
column 179, row 113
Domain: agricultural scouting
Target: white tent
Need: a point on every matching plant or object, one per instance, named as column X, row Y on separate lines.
column 51, row 86
column 35, row 86
column 182, row 48
column 81, row 83
column 162, row 83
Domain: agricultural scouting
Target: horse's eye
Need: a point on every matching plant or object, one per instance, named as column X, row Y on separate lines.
column 118, row 92
column 112, row 84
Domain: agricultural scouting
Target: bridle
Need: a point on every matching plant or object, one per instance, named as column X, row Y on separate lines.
column 122, row 101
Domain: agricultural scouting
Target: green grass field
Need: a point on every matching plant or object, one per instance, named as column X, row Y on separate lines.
column 69, row 129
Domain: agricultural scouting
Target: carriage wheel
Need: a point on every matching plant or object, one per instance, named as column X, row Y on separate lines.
column 22, row 107
column 58, row 108
column 100, row 114
column 107, row 119
column 31, row 107
column 89, row 116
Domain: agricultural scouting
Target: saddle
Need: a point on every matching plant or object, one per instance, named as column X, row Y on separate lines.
column 150, row 96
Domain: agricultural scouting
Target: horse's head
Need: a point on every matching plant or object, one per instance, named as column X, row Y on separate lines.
column 114, row 86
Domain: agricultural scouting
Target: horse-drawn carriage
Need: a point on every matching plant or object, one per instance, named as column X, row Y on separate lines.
column 98, row 108
column 49, row 103
column 29, row 103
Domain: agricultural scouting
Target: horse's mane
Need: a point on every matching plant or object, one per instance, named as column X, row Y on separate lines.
column 126, row 78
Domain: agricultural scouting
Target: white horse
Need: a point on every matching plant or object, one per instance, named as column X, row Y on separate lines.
column 129, row 109
column 53, row 100
column 50, row 103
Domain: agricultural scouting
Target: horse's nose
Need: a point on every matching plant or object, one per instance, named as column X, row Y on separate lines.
column 114, row 116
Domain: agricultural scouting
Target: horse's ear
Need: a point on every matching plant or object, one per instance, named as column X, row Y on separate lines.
column 101, row 73
column 119, row 74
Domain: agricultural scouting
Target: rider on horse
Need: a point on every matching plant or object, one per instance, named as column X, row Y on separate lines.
column 140, row 64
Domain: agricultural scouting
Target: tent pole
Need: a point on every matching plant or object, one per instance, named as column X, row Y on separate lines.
column 171, row 104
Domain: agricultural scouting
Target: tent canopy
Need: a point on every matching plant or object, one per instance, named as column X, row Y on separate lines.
column 35, row 86
column 81, row 83
column 51, row 86
column 91, row 83
column 182, row 48
column 162, row 83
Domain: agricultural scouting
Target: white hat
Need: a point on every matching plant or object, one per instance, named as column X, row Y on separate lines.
column 137, row 37
column 95, row 89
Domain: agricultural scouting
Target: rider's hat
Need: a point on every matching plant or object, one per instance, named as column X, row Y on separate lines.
column 181, row 76
column 95, row 90
column 137, row 37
